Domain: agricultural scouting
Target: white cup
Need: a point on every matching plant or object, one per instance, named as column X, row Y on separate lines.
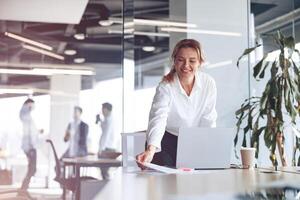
column 248, row 157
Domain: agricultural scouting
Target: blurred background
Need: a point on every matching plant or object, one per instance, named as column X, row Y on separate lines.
column 65, row 53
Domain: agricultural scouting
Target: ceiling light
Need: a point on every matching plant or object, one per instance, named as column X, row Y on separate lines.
column 105, row 22
column 23, row 72
column 79, row 60
column 150, row 22
column 46, row 72
column 148, row 48
column 29, row 41
column 79, row 36
column 155, row 34
column 15, row 91
column 162, row 23
column 219, row 64
column 209, row 32
column 44, row 52
column 64, row 71
column 70, row 52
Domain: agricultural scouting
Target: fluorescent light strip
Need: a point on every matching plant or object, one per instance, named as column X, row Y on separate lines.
column 162, row 23
column 47, row 72
column 29, row 41
column 141, row 33
column 209, row 32
column 15, row 91
column 64, row 71
column 22, row 71
column 150, row 22
column 152, row 34
column 42, row 51
column 219, row 64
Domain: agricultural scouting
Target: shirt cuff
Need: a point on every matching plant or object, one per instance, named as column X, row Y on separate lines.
column 155, row 143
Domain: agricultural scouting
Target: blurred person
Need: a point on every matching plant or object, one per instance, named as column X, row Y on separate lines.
column 108, row 140
column 76, row 134
column 29, row 141
column 185, row 97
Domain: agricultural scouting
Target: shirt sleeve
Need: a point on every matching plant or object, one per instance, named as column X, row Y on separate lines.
column 209, row 117
column 105, row 127
column 158, row 116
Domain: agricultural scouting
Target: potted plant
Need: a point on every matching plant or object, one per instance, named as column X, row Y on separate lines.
column 279, row 104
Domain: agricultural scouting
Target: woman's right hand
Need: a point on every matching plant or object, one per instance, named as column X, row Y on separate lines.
column 146, row 156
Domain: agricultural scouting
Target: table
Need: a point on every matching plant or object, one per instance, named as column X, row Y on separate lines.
column 211, row 184
column 87, row 161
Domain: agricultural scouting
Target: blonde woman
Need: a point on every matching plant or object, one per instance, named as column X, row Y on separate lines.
column 185, row 97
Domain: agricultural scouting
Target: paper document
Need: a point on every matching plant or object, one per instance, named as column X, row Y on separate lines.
column 159, row 168
column 168, row 170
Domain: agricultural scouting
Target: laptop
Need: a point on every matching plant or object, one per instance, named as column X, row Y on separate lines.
column 205, row 148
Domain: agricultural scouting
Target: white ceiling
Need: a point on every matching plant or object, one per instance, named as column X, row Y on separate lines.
column 48, row 11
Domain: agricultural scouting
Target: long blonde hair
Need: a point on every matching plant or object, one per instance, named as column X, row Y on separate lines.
column 185, row 43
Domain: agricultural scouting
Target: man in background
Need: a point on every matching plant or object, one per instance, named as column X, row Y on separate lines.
column 108, row 140
column 76, row 134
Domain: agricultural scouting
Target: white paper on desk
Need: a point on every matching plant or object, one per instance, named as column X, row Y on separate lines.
column 168, row 170
column 159, row 168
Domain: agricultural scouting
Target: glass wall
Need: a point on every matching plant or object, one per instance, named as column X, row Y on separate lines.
column 267, row 17
column 220, row 27
column 224, row 29
column 60, row 56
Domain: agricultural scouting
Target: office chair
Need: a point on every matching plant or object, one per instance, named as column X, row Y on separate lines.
column 70, row 182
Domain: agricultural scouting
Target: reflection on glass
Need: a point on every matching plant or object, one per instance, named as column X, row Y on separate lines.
column 61, row 60
column 272, row 193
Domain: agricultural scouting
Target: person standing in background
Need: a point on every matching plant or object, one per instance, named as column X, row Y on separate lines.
column 108, row 141
column 76, row 134
column 29, row 141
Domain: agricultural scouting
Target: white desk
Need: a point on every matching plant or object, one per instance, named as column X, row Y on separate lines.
column 139, row 186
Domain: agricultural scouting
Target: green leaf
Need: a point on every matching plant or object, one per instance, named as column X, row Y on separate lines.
column 257, row 67
column 274, row 69
column 289, row 42
column 244, row 143
column 262, row 73
column 242, row 109
column 246, row 52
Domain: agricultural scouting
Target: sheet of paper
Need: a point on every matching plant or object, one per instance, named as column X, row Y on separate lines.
column 168, row 170
column 159, row 168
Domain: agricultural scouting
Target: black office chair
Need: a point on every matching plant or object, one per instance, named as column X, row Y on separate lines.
column 70, row 182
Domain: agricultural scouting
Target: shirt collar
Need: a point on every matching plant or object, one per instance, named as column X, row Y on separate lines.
column 196, row 85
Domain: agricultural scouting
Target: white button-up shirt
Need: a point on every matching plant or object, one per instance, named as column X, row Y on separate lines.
column 108, row 138
column 172, row 108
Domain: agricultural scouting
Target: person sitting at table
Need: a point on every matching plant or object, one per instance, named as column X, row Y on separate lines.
column 76, row 134
column 185, row 97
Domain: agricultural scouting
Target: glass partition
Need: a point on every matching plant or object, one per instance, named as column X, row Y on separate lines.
column 61, row 56
column 267, row 18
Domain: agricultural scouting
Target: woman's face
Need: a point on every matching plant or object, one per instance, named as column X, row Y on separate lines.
column 186, row 63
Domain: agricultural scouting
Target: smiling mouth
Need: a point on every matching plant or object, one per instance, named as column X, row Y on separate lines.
column 186, row 70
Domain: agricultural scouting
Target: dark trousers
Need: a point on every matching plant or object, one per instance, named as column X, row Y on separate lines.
column 31, row 157
column 168, row 153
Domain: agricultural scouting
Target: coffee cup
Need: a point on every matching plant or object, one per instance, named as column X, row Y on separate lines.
column 248, row 157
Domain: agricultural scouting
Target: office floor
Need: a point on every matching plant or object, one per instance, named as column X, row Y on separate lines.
column 37, row 193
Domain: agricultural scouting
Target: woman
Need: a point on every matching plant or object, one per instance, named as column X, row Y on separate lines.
column 186, row 97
